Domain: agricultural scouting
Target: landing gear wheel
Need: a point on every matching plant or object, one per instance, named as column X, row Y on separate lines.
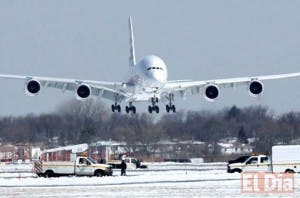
column 171, row 108
column 168, row 108
column 156, row 109
column 113, row 108
column 149, row 109
column 130, row 108
column 174, row 108
column 153, row 107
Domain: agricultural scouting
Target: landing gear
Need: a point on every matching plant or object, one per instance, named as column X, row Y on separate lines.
column 116, row 107
column 170, row 106
column 154, row 106
column 130, row 108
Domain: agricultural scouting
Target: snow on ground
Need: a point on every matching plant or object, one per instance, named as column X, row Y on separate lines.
column 16, row 170
column 159, row 180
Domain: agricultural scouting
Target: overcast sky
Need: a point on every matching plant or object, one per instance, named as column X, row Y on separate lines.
column 198, row 40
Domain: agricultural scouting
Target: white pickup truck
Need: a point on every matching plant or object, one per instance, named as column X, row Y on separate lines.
column 132, row 163
column 82, row 166
column 284, row 159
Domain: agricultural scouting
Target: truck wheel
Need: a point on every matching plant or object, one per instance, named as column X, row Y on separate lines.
column 289, row 171
column 98, row 173
column 49, row 173
column 236, row 170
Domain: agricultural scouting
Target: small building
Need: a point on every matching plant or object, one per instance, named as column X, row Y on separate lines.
column 235, row 148
column 8, row 153
column 107, row 150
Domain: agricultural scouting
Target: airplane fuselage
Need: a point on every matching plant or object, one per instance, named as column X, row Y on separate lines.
column 150, row 73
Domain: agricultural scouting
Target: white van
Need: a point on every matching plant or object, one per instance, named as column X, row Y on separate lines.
column 284, row 159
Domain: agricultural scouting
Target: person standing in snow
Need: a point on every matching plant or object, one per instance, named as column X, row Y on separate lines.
column 123, row 168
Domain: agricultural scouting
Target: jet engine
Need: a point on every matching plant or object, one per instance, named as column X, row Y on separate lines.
column 255, row 88
column 32, row 87
column 83, row 92
column 211, row 92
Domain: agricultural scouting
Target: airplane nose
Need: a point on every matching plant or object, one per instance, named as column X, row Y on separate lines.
column 157, row 76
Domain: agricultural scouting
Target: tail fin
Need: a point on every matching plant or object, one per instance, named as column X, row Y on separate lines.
column 132, row 61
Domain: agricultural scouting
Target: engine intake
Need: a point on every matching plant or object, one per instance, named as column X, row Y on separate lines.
column 255, row 88
column 32, row 87
column 211, row 92
column 83, row 92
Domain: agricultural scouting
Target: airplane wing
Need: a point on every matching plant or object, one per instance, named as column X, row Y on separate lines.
column 108, row 90
column 183, row 88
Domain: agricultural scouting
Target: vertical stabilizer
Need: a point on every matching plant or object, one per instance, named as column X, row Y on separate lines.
column 131, row 40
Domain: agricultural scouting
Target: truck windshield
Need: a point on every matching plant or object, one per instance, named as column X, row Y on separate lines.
column 91, row 160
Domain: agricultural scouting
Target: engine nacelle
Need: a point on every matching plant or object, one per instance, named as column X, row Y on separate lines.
column 32, row 87
column 211, row 92
column 255, row 88
column 83, row 92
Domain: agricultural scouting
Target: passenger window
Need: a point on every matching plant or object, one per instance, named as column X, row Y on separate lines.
column 149, row 68
column 252, row 161
column 264, row 160
column 82, row 161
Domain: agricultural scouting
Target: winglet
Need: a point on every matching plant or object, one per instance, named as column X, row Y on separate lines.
column 132, row 61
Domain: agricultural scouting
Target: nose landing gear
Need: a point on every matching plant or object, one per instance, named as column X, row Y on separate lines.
column 154, row 106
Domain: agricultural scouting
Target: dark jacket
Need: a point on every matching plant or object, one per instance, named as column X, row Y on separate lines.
column 123, row 165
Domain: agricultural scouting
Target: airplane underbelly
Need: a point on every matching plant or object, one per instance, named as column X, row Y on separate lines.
column 152, row 83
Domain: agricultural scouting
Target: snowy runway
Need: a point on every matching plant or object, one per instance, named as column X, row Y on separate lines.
column 160, row 180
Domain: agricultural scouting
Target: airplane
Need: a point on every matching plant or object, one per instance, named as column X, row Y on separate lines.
column 147, row 82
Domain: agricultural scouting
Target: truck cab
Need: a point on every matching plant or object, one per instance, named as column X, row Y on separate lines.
column 256, row 163
column 131, row 162
column 85, row 166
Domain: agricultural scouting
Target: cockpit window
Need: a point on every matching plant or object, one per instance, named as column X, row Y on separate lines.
column 149, row 68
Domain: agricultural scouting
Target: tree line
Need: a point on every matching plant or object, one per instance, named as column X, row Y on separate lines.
column 75, row 122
